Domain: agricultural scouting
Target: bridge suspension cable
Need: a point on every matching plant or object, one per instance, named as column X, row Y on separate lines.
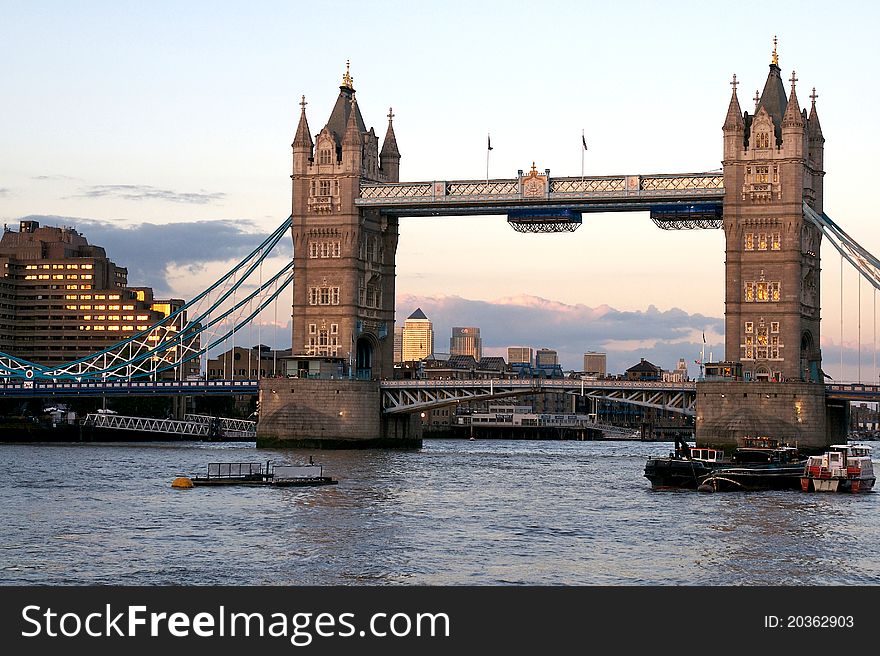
column 169, row 343
column 866, row 265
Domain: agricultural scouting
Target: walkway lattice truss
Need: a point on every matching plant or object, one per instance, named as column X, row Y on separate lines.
column 191, row 426
column 207, row 320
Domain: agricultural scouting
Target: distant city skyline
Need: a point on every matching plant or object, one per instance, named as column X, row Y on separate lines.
column 168, row 142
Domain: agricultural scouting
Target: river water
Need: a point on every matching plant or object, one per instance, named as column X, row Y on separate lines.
column 455, row 512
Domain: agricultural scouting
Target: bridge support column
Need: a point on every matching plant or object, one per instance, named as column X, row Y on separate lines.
column 330, row 414
column 793, row 413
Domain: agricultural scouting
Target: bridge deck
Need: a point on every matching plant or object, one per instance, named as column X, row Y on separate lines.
column 588, row 194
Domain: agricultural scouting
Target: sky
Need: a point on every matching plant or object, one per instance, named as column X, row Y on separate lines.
column 162, row 132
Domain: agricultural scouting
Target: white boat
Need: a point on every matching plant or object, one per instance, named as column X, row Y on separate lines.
column 843, row 468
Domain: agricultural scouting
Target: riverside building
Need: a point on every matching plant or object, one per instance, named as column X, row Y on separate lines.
column 62, row 298
column 466, row 341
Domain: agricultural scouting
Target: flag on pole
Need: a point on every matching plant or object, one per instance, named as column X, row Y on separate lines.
column 704, row 338
column 584, row 140
column 488, row 142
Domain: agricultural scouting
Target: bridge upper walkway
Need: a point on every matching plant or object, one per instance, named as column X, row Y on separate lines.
column 584, row 194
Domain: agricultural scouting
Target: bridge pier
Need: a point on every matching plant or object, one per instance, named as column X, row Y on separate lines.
column 795, row 413
column 330, row 414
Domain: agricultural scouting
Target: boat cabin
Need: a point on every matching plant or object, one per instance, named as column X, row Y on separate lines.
column 706, row 454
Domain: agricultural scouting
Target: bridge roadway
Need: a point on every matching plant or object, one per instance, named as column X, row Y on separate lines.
column 400, row 396
column 37, row 389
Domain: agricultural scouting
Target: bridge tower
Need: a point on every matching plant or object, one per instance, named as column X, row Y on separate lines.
column 343, row 289
column 773, row 162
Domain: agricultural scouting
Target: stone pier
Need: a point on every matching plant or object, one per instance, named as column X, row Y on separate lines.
column 330, row 414
column 793, row 413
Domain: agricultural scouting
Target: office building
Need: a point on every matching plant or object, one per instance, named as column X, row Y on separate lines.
column 62, row 298
column 418, row 337
column 595, row 363
column 520, row 355
column 546, row 358
column 398, row 344
column 466, row 341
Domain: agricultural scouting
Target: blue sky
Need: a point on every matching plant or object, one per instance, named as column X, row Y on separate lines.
column 125, row 116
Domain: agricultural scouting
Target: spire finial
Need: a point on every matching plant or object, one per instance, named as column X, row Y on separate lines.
column 346, row 79
column 303, row 104
column 792, row 79
column 757, row 99
column 390, row 114
column 775, row 60
column 733, row 83
column 813, row 97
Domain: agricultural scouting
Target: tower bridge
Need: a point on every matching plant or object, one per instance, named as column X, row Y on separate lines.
column 347, row 206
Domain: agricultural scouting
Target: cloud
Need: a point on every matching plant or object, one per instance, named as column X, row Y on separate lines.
column 146, row 192
column 149, row 249
column 660, row 336
column 53, row 178
column 4, row 191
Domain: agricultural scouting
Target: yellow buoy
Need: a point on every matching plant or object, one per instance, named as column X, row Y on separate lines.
column 182, row 482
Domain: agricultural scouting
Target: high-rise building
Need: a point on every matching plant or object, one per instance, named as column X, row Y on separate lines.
column 418, row 337
column 398, row 344
column 520, row 355
column 62, row 298
column 466, row 341
column 545, row 357
column 594, row 363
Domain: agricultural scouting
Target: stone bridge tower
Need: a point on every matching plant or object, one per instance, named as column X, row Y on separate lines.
column 772, row 165
column 343, row 289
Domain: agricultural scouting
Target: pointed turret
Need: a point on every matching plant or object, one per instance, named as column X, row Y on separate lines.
column 353, row 140
column 303, row 137
column 303, row 146
column 794, row 136
column 390, row 155
column 338, row 121
column 773, row 98
column 734, row 126
column 792, row 117
column 813, row 126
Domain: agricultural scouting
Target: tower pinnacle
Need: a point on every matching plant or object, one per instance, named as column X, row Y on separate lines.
column 347, row 82
column 775, row 59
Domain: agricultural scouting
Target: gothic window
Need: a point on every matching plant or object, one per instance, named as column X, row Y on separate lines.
column 371, row 249
column 774, row 326
column 323, row 187
column 325, row 249
column 762, row 337
column 762, row 173
column 774, row 292
column 776, row 242
column 750, row 292
column 750, row 326
column 324, row 156
column 313, row 328
column 324, row 296
column 761, row 295
column 750, row 241
column 762, row 140
column 775, row 174
column 334, row 328
column 312, row 188
column 762, row 241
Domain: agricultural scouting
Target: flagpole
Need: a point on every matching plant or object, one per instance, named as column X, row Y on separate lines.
column 583, row 140
column 488, row 148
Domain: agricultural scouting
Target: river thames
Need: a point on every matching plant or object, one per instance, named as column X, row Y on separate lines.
column 455, row 512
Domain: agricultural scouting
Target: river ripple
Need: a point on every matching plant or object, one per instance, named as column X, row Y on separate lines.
column 455, row 512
